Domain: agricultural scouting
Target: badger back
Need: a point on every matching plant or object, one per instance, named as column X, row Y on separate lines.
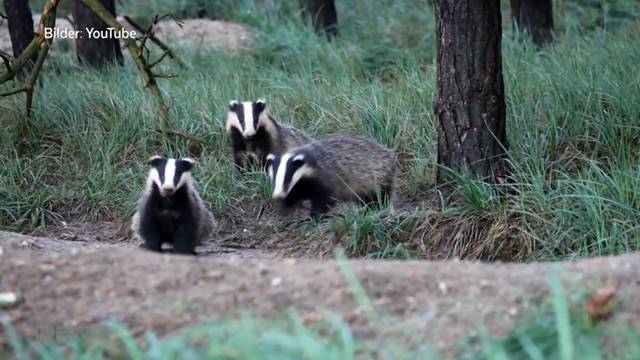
column 355, row 165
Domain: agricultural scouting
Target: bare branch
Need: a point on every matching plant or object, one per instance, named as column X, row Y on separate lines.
column 160, row 59
column 44, row 50
column 149, row 33
column 165, row 76
column 13, row 92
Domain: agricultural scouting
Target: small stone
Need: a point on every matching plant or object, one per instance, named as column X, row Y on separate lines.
column 276, row 281
column 443, row 287
column 513, row 311
column 8, row 299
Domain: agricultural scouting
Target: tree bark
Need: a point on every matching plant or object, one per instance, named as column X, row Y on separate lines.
column 534, row 17
column 470, row 105
column 95, row 52
column 21, row 31
column 323, row 16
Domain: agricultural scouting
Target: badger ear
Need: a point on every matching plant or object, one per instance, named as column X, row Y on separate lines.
column 154, row 160
column 188, row 163
column 261, row 104
column 233, row 104
column 271, row 157
column 298, row 158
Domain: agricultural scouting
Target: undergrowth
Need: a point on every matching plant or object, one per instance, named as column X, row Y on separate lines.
column 573, row 111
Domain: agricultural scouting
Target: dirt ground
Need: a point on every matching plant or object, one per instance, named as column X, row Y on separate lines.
column 74, row 280
column 208, row 34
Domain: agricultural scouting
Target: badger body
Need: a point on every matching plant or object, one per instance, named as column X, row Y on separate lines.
column 335, row 169
column 170, row 209
column 254, row 134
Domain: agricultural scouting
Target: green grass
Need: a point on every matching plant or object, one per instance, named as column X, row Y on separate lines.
column 573, row 112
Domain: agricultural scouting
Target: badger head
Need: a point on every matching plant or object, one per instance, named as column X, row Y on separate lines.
column 287, row 170
column 168, row 175
column 247, row 117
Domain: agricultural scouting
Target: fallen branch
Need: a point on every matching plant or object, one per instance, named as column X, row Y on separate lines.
column 155, row 40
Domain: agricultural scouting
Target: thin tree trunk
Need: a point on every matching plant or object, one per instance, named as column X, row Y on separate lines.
column 95, row 52
column 534, row 17
column 323, row 16
column 21, row 31
column 470, row 105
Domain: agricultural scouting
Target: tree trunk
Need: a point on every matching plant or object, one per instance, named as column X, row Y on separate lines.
column 470, row 105
column 534, row 17
column 323, row 16
column 20, row 29
column 95, row 52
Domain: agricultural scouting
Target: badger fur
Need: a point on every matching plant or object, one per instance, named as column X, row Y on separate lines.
column 170, row 209
column 339, row 168
column 254, row 134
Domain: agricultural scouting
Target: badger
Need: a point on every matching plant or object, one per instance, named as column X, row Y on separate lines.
column 170, row 209
column 335, row 169
column 254, row 134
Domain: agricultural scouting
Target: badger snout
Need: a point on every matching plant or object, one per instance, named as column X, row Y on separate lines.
column 278, row 195
column 167, row 190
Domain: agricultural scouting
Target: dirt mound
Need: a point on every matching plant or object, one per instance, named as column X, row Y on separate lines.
column 437, row 302
column 201, row 32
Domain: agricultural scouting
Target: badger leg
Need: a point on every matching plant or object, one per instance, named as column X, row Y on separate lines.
column 185, row 239
column 239, row 158
column 319, row 207
column 149, row 230
column 152, row 240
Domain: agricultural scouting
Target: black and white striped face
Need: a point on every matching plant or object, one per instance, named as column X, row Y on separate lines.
column 245, row 116
column 286, row 171
column 169, row 175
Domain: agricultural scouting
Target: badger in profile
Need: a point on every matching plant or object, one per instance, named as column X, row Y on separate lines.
column 254, row 134
column 170, row 209
column 336, row 169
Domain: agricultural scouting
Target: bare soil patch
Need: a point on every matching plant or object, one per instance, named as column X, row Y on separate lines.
column 415, row 301
column 207, row 34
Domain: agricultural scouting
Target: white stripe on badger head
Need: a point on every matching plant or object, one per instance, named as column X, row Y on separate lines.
column 169, row 173
column 303, row 171
column 185, row 178
column 270, row 157
column 278, row 188
column 249, row 129
column 154, row 178
column 233, row 122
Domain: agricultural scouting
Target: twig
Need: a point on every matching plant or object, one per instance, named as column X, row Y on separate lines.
column 70, row 20
column 165, row 76
column 21, row 61
column 155, row 39
column 34, row 74
column 13, row 92
column 160, row 59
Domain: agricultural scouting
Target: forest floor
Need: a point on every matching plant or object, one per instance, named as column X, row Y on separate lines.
column 75, row 279
column 201, row 32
